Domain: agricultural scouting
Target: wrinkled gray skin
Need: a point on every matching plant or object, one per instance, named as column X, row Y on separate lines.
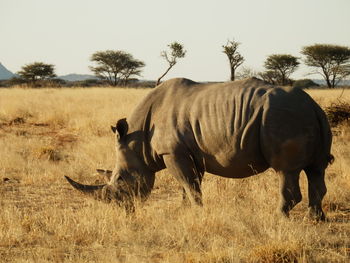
column 235, row 130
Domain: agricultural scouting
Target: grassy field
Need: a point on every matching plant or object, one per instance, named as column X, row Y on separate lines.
column 48, row 133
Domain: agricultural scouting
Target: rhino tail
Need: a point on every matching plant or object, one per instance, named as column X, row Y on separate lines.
column 326, row 136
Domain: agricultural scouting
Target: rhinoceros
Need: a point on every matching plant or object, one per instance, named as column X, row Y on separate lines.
column 235, row 130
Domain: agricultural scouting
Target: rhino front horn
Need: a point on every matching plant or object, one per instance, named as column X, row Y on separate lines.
column 89, row 189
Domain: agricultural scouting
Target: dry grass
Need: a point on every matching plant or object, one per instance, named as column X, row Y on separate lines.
column 48, row 133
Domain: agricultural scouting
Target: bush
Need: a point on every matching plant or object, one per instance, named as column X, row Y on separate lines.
column 304, row 84
column 87, row 83
column 11, row 82
column 142, row 84
column 338, row 112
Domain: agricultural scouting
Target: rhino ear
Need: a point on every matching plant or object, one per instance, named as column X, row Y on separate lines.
column 121, row 127
column 113, row 129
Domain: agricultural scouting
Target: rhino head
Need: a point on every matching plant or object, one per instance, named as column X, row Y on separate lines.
column 131, row 178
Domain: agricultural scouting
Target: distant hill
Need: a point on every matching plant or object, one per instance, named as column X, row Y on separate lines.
column 76, row 77
column 322, row 82
column 5, row 73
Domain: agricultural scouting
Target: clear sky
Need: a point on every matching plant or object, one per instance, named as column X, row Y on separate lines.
column 66, row 32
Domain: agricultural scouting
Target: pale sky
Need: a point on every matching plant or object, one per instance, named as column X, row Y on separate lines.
column 67, row 32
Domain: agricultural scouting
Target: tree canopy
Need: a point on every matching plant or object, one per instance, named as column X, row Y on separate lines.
column 176, row 51
column 269, row 76
column 330, row 61
column 234, row 57
column 37, row 71
column 115, row 66
column 280, row 67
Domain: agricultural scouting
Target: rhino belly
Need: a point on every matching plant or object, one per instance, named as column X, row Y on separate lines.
column 235, row 165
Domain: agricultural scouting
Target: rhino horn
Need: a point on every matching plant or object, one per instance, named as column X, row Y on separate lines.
column 90, row 189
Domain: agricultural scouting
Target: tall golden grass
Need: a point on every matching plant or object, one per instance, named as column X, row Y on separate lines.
column 48, row 133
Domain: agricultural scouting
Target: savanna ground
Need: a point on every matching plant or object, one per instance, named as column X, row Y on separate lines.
column 48, row 133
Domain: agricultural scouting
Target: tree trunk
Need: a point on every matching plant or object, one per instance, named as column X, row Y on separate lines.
column 329, row 84
column 115, row 81
column 326, row 77
column 232, row 73
column 162, row 76
column 333, row 80
column 283, row 79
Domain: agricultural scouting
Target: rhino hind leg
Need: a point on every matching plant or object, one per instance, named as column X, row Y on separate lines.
column 316, row 190
column 290, row 191
column 189, row 174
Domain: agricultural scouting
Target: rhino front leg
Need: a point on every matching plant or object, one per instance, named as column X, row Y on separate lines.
column 185, row 170
column 290, row 191
column 317, row 190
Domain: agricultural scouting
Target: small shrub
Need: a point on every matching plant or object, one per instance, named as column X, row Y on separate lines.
column 17, row 120
column 338, row 112
column 275, row 253
column 49, row 153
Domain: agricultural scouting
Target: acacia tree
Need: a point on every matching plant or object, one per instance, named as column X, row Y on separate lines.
column 115, row 66
column 176, row 51
column 132, row 68
column 281, row 66
column 37, row 71
column 332, row 62
column 234, row 57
